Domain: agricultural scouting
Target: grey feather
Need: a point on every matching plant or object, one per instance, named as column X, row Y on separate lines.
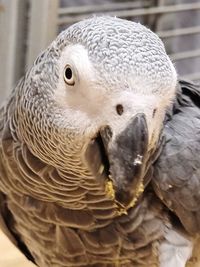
column 177, row 171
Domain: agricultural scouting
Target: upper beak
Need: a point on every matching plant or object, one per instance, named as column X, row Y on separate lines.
column 127, row 155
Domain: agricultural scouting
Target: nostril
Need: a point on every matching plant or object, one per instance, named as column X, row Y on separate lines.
column 154, row 112
column 119, row 109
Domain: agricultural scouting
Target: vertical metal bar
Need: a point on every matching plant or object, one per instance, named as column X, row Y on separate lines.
column 11, row 41
column 42, row 27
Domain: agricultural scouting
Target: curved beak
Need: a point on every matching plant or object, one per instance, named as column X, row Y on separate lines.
column 127, row 155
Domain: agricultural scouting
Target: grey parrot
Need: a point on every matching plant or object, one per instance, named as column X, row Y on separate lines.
column 99, row 153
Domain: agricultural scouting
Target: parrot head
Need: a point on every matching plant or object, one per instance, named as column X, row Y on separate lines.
column 108, row 83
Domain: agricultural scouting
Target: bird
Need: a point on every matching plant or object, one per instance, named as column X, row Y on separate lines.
column 99, row 147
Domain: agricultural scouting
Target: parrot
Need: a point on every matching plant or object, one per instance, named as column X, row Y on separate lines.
column 99, row 152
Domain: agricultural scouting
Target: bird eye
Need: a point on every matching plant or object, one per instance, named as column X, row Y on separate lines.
column 69, row 76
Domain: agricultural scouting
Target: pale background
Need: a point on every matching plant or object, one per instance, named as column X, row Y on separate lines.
column 10, row 256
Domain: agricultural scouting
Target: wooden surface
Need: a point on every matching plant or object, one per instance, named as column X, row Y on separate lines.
column 10, row 256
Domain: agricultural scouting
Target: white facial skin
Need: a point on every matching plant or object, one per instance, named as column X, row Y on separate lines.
column 91, row 103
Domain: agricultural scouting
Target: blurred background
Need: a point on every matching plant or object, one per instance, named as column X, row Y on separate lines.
column 28, row 26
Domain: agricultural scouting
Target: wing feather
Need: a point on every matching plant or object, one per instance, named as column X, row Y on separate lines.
column 177, row 170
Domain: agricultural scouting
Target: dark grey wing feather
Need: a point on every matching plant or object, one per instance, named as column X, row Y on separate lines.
column 177, row 171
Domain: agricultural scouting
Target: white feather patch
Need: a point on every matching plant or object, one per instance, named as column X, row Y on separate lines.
column 175, row 251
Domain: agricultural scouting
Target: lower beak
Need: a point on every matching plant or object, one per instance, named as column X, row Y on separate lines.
column 127, row 155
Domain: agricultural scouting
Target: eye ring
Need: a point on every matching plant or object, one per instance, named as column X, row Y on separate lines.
column 68, row 75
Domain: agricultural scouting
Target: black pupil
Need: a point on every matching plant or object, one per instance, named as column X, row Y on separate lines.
column 68, row 73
